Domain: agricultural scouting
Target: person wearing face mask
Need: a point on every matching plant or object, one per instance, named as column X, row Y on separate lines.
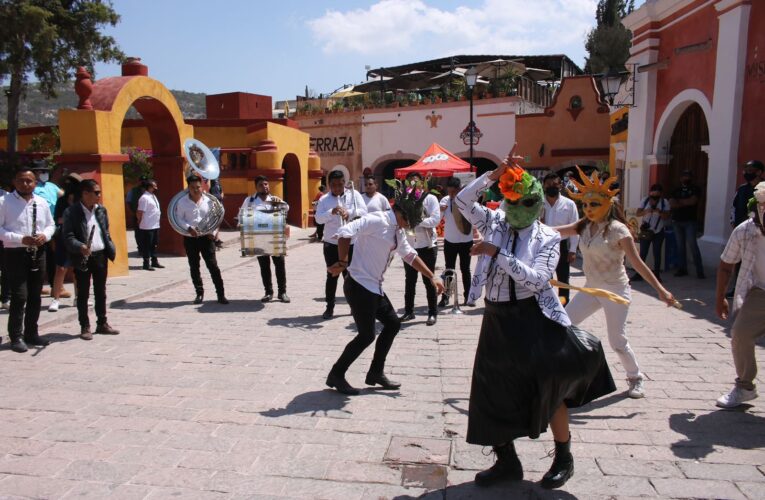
column 605, row 240
column 655, row 211
column 746, row 246
column 50, row 192
column 148, row 215
column 530, row 364
column 559, row 211
column 753, row 175
column 684, row 202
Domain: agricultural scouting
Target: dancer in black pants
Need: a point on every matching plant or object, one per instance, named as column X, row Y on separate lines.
column 458, row 238
column 86, row 233
column 25, row 225
column 377, row 234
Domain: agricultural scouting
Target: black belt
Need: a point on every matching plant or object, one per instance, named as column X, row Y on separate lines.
column 22, row 249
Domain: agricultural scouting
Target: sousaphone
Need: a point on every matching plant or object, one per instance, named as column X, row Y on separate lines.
column 203, row 162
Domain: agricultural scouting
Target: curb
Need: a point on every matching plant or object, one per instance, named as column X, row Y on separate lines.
column 70, row 316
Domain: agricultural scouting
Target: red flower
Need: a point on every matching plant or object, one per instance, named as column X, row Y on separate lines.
column 510, row 183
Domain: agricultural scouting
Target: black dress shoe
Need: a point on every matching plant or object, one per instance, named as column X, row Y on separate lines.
column 328, row 312
column 432, row 318
column 199, row 298
column 222, row 299
column 18, row 345
column 147, row 267
column 36, row 341
column 562, row 467
column 341, row 385
column 157, row 265
column 444, row 301
column 407, row 317
column 284, row 297
column 381, row 380
column 267, row 297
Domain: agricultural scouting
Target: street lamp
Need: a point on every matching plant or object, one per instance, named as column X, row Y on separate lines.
column 611, row 81
column 471, row 77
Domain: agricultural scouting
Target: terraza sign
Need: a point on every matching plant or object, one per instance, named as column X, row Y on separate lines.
column 332, row 146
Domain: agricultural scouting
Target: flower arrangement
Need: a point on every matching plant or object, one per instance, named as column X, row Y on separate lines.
column 515, row 183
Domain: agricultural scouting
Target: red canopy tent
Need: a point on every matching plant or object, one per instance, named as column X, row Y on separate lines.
column 436, row 161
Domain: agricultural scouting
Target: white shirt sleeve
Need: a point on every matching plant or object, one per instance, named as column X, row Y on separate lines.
column 48, row 226
column 404, row 249
column 324, row 209
column 433, row 212
column 361, row 206
column 466, row 200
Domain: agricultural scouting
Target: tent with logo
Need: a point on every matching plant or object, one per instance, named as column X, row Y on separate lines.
column 436, row 161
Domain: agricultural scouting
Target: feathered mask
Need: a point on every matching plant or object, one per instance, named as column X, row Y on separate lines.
column 410, row 196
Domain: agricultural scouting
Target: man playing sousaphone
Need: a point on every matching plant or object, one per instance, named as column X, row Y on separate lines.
column 458, row 238
column 264, row 201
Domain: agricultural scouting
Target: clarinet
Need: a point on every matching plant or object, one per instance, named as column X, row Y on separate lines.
column 84, row 262
column 33, row 249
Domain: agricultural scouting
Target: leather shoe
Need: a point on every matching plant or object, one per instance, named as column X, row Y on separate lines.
column 106, row 329
column 199, row 298
column 432, row 318
column 444, row 301
column 381, row 380
column 341, row 385
column 36, row 341
column 18, row 345
column 407, row 317
column 267, row 297
column 222, row 299
column 284, row 297
column 85, row 333
column 157, row 265
column 328, row 312
column 147, row 267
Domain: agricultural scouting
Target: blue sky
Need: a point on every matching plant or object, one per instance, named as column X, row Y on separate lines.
column 277, row 48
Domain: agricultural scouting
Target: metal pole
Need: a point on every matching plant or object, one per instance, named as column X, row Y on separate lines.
column 472, row 127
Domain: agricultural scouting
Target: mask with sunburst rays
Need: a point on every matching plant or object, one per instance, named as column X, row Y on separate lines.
column 596, row 196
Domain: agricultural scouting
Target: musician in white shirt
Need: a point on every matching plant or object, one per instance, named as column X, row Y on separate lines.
column 148, row 215
column 334, row 209
column 26, row 224
column 425, row 241
column 560, row 211
column 189, row 212
column 377, row 236
column 375, row 201
column 458, row 238
column 264, row 201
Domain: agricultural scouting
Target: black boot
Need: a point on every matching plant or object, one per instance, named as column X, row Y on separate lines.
column 562, row 467
column 155, row 263
column 507, row 467
column 147, row 266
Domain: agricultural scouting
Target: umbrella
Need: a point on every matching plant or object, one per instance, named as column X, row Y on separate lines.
column 537, row 74
column 436, row 161
column 448, row 76
column 499, row 67
column 372, row 85
column 348, row 91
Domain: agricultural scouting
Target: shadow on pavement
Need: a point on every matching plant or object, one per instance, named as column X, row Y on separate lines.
column 731, row 428
column 313, row 403
column 453, row 403
column 234, row 305
column 302, row 322
column 579, row 415
column 503, row 491
column 152, row 304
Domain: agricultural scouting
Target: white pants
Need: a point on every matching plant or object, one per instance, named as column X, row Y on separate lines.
column 584, row 305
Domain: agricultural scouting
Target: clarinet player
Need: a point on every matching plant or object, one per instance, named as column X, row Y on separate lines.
column 86, row 233
column 26, row 224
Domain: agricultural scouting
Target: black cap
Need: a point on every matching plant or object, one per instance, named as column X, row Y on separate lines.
column 39, row 165
column 755, row 164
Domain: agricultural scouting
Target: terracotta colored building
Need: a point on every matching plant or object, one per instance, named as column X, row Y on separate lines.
column 699, row 97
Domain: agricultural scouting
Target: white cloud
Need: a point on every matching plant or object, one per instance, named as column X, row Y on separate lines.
column 417, row 29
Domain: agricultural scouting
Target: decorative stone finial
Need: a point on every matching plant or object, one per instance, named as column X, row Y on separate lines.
column 83, row 87
column 133, row 67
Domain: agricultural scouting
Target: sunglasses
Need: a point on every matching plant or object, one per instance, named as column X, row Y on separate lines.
column 528, row 202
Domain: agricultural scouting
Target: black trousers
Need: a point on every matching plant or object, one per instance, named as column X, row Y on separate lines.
column 204, row 247
column 428, row 256
column 97, row 269
column 451, row 251
column 25, row 286
column 50, row 263
column 365, row 308
column 5, row 292
column 265, row 273
column 149, row 239
column 319, row 231
column 563, row 271
column 330, row 257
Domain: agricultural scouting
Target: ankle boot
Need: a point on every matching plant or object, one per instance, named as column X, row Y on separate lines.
column 507, row 467
column 562, row 467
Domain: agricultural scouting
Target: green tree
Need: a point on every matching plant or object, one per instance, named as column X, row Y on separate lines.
column 608, row 44
column 49, row 39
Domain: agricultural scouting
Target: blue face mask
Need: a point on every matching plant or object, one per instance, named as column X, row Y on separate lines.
column 44, row 177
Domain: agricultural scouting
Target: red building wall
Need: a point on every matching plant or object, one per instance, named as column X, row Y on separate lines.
column 241, row 105
column 751, row 144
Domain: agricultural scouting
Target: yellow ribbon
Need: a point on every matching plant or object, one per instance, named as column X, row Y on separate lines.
column 598, row 292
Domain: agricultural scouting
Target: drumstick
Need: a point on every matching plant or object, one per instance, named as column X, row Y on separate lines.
column 597, row 292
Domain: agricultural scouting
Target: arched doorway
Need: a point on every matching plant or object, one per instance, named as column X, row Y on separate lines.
column 293, row 189
column 690, row 134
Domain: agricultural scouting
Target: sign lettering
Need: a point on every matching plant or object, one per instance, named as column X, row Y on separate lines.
column 756, row 71
column 341, row 144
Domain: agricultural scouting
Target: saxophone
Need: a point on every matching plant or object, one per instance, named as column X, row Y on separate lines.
column 33, row 249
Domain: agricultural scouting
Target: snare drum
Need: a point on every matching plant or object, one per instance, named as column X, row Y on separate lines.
column 262, row 233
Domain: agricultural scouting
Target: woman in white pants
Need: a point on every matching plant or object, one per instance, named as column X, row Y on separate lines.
column 605, row 241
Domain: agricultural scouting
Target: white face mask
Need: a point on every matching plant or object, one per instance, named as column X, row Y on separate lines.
column 44, row 177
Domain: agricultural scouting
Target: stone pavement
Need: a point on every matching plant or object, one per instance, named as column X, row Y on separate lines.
column 217, row 401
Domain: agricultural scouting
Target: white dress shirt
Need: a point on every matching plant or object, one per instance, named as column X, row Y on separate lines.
column 90, row 218
column 16, row 219
column 377, row 236
column 149, row 205
column 451, row 233
column 745, row 245
column 425, row 233
column 353, row 203
column 257, row 203
column 561, row 213
column 376, row 203
column 531, row 265
column 190, row 214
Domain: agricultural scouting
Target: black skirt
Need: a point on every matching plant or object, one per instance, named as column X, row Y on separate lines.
column 526, row 365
